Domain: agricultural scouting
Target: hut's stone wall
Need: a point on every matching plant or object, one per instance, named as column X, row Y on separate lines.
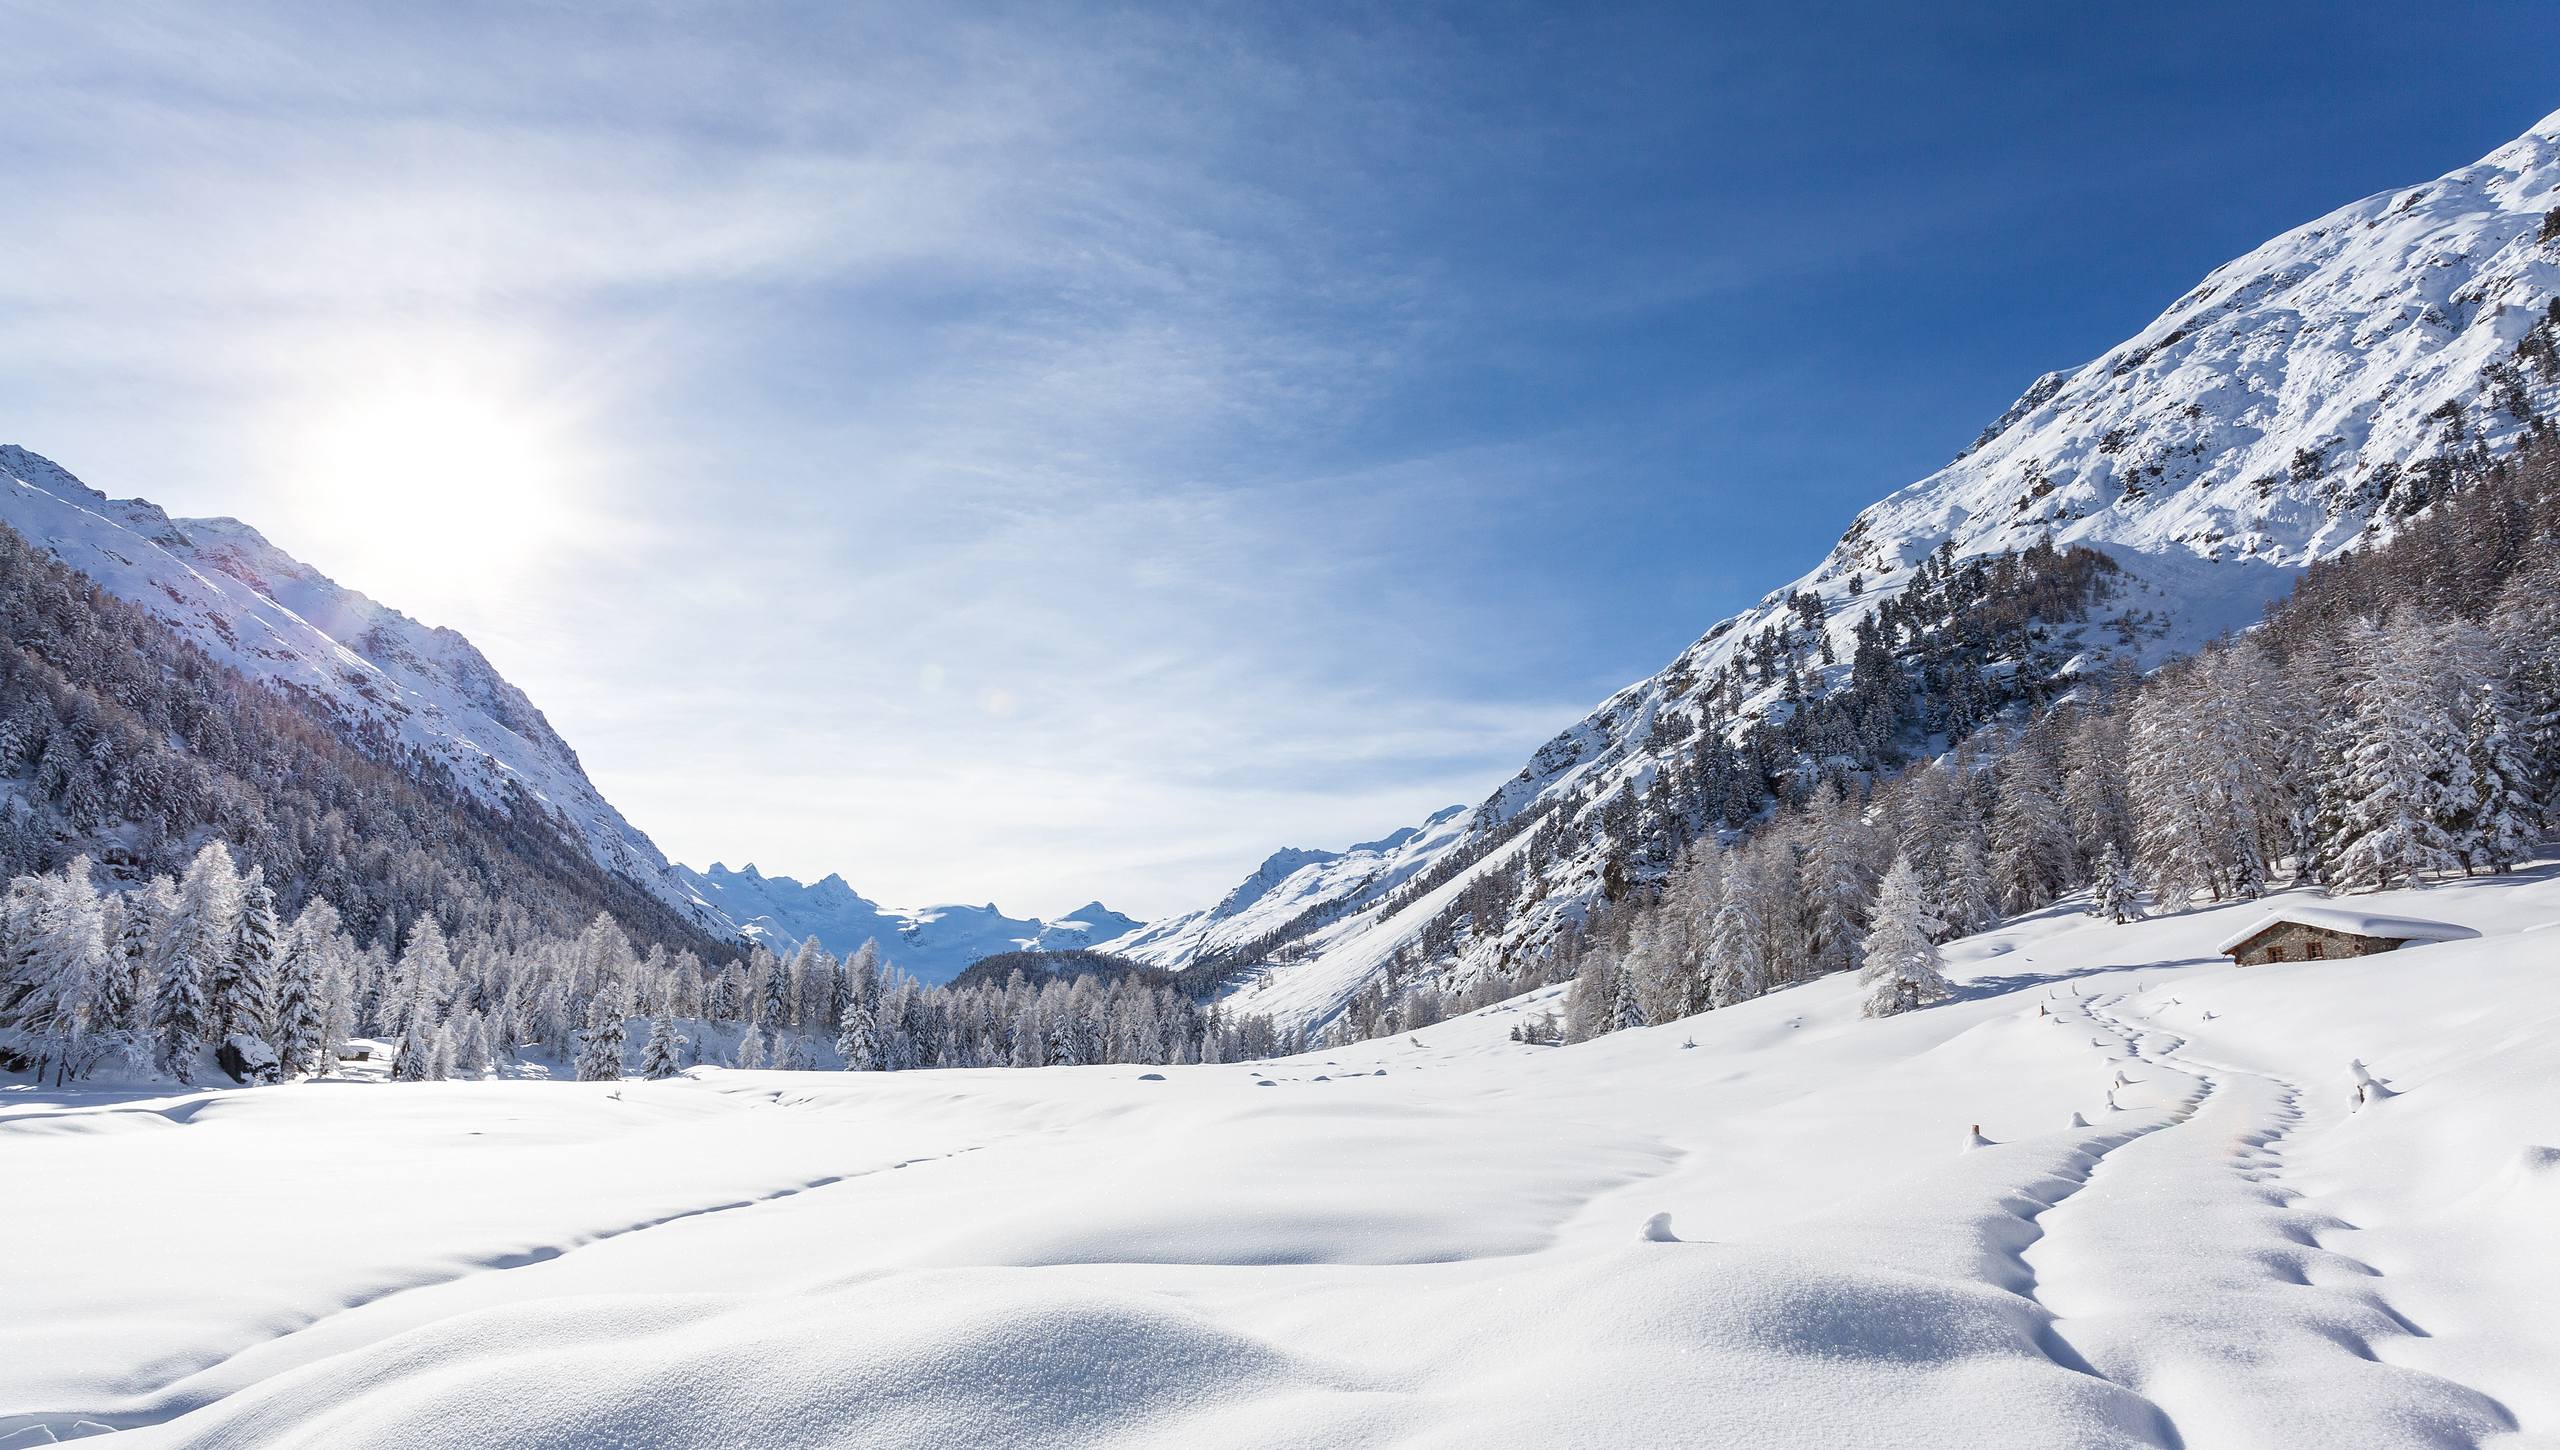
column 2291, row 941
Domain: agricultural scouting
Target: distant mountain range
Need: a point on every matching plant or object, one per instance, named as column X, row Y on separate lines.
column 931, row 944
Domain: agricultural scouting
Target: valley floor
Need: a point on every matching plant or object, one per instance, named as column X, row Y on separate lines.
column 1765, row 1226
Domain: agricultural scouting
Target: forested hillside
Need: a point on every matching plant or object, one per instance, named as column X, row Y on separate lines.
column 121, row 740
column 2395, row 721
column 2300, row 404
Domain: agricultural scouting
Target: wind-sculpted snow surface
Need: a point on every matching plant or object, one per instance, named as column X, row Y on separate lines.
column 381, row 674
column 2116, row 1193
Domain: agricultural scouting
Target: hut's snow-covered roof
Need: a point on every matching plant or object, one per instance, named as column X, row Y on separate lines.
column 2354, row 923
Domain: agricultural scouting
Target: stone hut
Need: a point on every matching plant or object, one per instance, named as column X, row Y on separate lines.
column 2315, row 933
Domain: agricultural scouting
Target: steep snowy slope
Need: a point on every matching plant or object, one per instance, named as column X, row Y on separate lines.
column 931, row 944
column 2299, row 399
column 1288, row 884
column 1769, row 1225
column 386, row 677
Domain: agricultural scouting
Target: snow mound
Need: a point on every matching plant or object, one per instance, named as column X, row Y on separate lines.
column 926, row 1360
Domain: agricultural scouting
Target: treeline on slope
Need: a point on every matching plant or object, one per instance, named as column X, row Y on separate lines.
column 179, row 977
column 121, row 741
column 1964, row 641
column 1042, row 966
column 2396, row 720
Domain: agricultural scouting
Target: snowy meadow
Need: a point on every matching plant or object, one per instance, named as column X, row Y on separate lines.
column 2115, row 1192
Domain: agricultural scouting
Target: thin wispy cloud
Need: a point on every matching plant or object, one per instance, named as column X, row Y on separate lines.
column 1040, row 452
column 937, row 478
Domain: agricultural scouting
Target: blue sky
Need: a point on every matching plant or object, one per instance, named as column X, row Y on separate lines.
column 1046, row 452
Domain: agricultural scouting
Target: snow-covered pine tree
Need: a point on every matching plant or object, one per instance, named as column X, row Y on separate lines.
column 143, row 939
column 122, row 990
column 2031, row 851
column 2114, row 895
column 304, row 959
column 862, row 974
column 415, row 1060
column 1737, row 970
column 1967, row 898
column 1626, row 1006
column 1838, row 882
column 201, row 936
column 2242, row 785
column 858, row 1034
column 50, row 1009
column 600, row 1046
column 660, row 1057
column 1901, row 970
column 474, row 1052
column 243, row 986
column 338, row 991
column 811, row 974
column 424, row 972
column 773, row 992
column 751, row 1048
column 2498, row 823
column 2093, row 786
column 2401, row 777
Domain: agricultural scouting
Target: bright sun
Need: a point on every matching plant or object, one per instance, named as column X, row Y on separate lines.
column 427, row 493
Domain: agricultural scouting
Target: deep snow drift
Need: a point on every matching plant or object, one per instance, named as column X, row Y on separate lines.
column 1763, row 1226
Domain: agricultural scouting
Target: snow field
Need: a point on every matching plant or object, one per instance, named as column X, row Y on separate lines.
column 1777, row 1237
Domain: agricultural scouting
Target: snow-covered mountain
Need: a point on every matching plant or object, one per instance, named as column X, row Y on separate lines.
column 931, row 944
column 1290, row 882
column 2298, row 400
column 383, row 676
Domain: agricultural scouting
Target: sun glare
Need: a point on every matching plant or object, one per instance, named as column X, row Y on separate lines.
column 422, row 494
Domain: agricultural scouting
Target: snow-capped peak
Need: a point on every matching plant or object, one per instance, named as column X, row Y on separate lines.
column 2301, row 398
